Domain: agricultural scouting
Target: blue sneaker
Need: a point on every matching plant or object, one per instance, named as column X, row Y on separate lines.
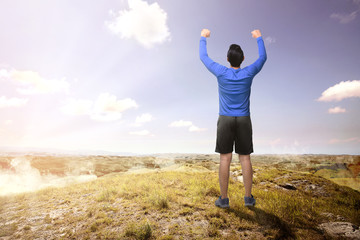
column 223, row 203
column 249, row 201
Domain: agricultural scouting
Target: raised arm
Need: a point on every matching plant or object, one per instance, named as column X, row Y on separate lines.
column 212, row 66
column 259, row 63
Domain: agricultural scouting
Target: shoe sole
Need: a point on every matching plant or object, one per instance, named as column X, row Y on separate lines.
column 223, row 206
column 249, row 205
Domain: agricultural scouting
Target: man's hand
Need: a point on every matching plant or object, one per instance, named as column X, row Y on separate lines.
column 205, row 33
column 256, row 33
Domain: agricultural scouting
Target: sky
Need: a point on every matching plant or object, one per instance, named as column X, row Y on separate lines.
column 125, row 75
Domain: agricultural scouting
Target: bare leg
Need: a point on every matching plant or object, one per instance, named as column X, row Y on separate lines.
column 224, row 169
column 247, row 173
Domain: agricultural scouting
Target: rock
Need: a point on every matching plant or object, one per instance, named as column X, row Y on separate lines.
column 340, row 218
column 311, row 187
column 240, row 178
column 344, row 230
column 335, row 166
column 300, row 182
column 280, row 177
column 332, row 216
column 316, row 190
column 288, row 186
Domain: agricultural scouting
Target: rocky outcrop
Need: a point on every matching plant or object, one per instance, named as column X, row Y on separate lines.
column 335, row 166
column 288, row 186
column 341, row 230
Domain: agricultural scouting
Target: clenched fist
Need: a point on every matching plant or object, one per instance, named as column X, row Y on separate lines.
column 205, row 33
column 256, row 33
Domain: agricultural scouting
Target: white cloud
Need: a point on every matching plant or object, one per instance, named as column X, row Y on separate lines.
column 141, row 133
column 108, row 103
column 33, row 83
column 340, row 91
column 77, row 107
column 182, row 123
column 4, row 74
column 348, row 140
column 144, row 118
column 345, row 18
column 106, row 107
column 336, row 110
column 196, row 129
column 270, row 40
column 144, row 22
column 12, row 102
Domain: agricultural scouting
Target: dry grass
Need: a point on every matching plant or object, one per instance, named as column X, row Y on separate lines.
column 353, row 183
column 179, row 204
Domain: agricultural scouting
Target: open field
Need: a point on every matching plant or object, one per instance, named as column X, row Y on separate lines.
column 171, row 196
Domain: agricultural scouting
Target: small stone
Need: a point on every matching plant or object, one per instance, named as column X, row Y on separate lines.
column 340, row 218
column 240, row 178
column 298, row 182
column 310, row 187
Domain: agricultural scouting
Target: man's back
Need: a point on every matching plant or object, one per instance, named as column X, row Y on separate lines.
column 234, row 84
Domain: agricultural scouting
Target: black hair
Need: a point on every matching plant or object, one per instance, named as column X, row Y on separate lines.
column 235, row 55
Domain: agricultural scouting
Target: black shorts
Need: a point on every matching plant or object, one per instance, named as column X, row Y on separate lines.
column 232, row 130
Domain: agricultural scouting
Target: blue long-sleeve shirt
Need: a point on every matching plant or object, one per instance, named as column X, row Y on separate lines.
column 234, row 84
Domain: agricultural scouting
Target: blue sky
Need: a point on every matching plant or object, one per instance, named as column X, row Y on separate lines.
column 125, row 75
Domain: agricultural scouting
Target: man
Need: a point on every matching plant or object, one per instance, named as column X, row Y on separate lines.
column 234, row 123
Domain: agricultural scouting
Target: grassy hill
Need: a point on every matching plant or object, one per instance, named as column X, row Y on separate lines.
column 176, row 201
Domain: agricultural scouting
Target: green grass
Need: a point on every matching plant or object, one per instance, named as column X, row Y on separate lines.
column 141, row 231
